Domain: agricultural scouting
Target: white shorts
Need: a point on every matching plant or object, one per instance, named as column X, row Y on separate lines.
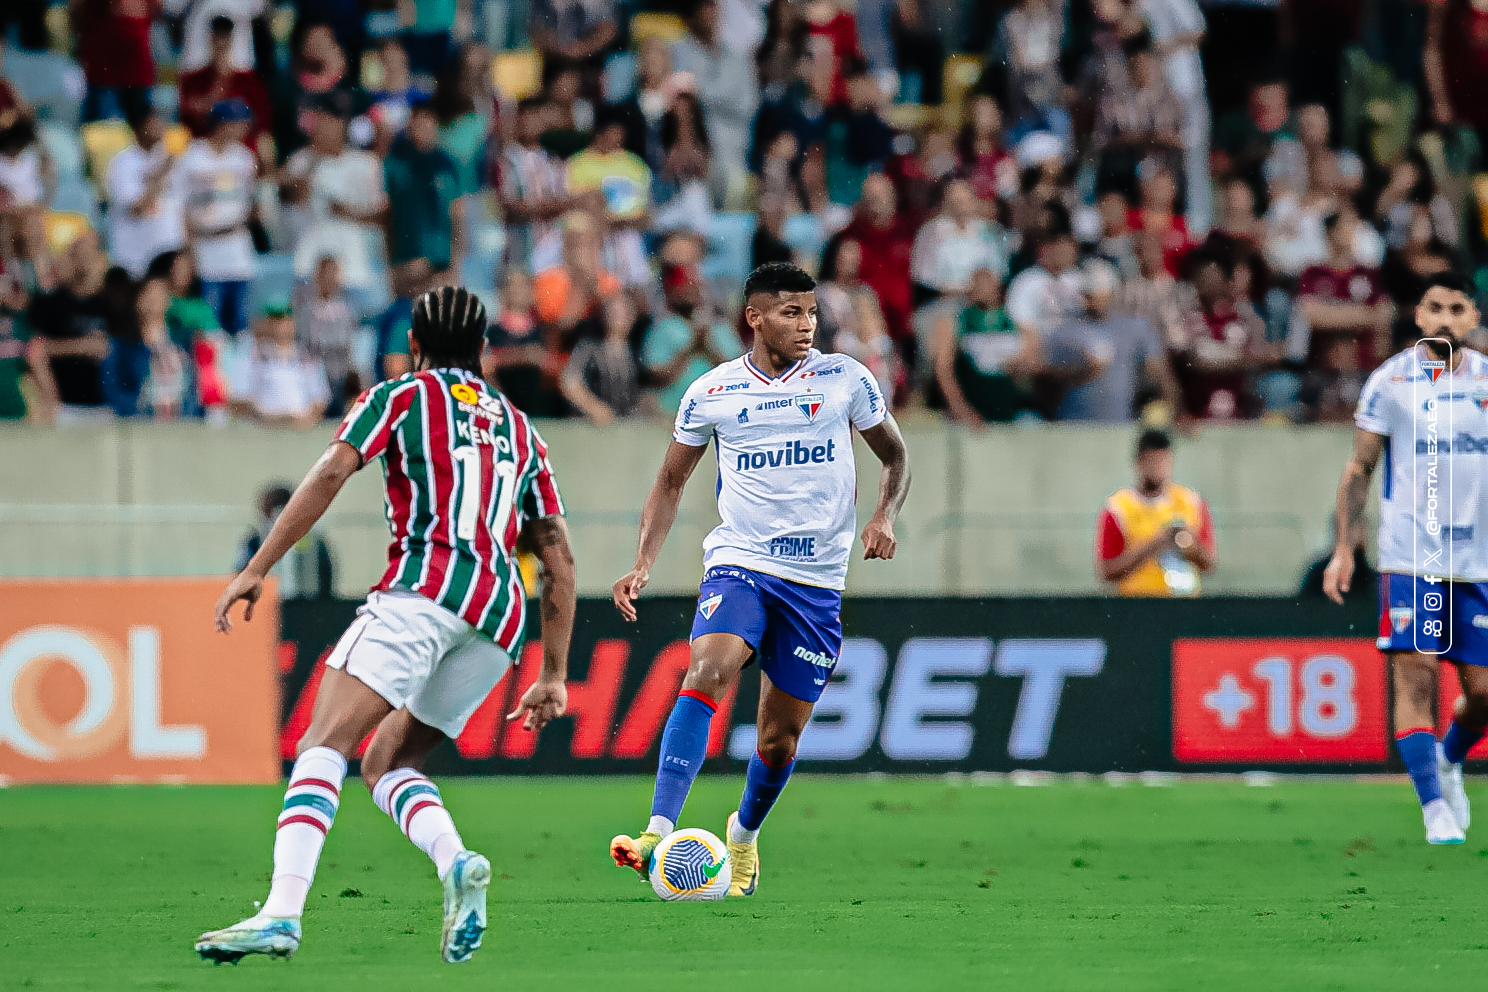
column 417, row 655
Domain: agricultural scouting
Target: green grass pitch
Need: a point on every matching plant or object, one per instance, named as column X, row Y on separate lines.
column 889, row 883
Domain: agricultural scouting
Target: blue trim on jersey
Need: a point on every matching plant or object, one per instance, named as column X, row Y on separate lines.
column 1386, row 482
column 794, row 628
column 717, row 451
column 1460, row 610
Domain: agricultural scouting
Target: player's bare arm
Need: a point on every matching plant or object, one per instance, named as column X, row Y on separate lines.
column 887, row 443
column 1353, row 496
column 657, row 517
column 547, row 698
column 309, row 503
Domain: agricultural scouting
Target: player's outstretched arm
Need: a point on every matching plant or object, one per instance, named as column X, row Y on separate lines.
column 657, row 517
column 308, row 504
column 887, row 443
column 1353, row 496
column 547, row 698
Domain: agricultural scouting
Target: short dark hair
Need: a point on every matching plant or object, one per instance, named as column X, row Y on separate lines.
column 774, row 278
column 1453, row 280
column 1153, row 440
column 221, row 24
column 449, row 325
column 1137, row 43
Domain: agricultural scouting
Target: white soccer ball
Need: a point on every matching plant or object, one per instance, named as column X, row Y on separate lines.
column 691, row 866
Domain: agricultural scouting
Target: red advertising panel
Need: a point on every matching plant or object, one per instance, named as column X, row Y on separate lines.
column 1278, row 700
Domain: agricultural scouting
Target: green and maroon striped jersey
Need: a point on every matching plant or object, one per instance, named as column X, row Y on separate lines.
column 464, row 471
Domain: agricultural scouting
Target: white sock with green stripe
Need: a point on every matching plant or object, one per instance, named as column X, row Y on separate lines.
column 310, row 805
column 416, row 807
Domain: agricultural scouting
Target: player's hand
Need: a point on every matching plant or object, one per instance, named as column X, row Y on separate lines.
column 627, row 589
column 247, row 587
column 878, row 540
column 1338, row 576
column 543, row 701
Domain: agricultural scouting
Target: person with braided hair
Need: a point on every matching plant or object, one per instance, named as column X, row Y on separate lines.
column 466, row 474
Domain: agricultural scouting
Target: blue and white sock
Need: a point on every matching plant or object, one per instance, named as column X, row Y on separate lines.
column 1418, row 748
column 684, row 745
column 763, row 784
column 1458, row 741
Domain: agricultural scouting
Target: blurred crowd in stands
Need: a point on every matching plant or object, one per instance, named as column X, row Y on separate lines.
column 1074, row 210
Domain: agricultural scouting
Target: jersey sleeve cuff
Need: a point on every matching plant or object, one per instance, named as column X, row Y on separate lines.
column 691, row 440
column 872, row 420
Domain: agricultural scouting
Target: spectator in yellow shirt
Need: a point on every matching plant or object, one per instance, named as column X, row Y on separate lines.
column 1155, row 538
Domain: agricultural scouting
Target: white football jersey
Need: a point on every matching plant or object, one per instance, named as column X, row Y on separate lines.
column 787, row 484
column 1434, row 489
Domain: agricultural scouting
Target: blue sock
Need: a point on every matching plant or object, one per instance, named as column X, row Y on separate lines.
column 1418, row 748
column 762, row 786
column 1459, row 741
column 684, row 745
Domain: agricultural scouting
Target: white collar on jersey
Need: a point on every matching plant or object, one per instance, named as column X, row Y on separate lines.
column 765, row 378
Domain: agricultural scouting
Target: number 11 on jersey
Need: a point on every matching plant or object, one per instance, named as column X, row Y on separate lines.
column 468, row 514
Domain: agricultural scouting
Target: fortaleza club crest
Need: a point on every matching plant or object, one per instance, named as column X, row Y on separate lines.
column 1480, row 400
column 1434, row 369
column 809, row 404
column 1401, row 618
column 710, row 605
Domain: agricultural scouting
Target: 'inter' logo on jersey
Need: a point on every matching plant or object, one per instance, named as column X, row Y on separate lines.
column 809, row 404
column 1434, row 369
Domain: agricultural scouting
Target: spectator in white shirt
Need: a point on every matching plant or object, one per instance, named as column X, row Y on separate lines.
column 217, row 176
column 337, row 197
column 280, row 384
column 145, row 201
column 1178, row 28
column 1044, row 296
column 196, row 20
column 955, row 243
column 727, row 85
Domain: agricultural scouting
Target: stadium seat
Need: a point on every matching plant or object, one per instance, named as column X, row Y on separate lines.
column 102, row 140
column 669, row 27
column 804, row 234
column 517, row 74
column 619, row 79
column 729, row 237
column 61, row 144
column 62, row 226
column 960, row 75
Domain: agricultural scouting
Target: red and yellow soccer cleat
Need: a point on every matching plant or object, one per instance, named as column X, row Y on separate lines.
column 635, row 852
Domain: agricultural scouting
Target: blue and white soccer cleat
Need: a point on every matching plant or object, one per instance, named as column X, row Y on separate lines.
column 465, row 906
column 1441, row 825
column 1452, row 789
column 276, row 936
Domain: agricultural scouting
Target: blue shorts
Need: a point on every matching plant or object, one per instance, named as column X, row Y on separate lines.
column 795, row 629
column 1445, row 618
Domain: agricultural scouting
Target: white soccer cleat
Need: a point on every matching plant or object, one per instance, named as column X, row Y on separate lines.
column 1452, row 789
column 465, row 906
column 276, row 936
column 1441, row 825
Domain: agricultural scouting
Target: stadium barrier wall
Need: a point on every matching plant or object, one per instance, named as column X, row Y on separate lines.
column 936, row 685
column 1008, row 512
column 126, row 681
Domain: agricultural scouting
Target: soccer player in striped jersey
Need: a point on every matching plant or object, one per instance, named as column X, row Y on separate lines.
column 466, row 473
column 781, row 419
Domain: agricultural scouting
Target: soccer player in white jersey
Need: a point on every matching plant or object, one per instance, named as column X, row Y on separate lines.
column 466, row 473
column 1426, row 412
column 781, row 419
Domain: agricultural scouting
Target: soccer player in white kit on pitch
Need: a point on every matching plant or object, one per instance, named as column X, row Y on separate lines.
column 781, row 419
column 1426, row 412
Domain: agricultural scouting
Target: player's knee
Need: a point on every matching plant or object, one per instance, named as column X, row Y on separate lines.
column 1473, row 708
column 777, row 748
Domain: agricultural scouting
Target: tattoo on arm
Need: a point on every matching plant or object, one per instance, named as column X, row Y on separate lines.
column 1353, row 489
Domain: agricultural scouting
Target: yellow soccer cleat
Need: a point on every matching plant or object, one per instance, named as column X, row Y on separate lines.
column 635, row 852
column 746, row 862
